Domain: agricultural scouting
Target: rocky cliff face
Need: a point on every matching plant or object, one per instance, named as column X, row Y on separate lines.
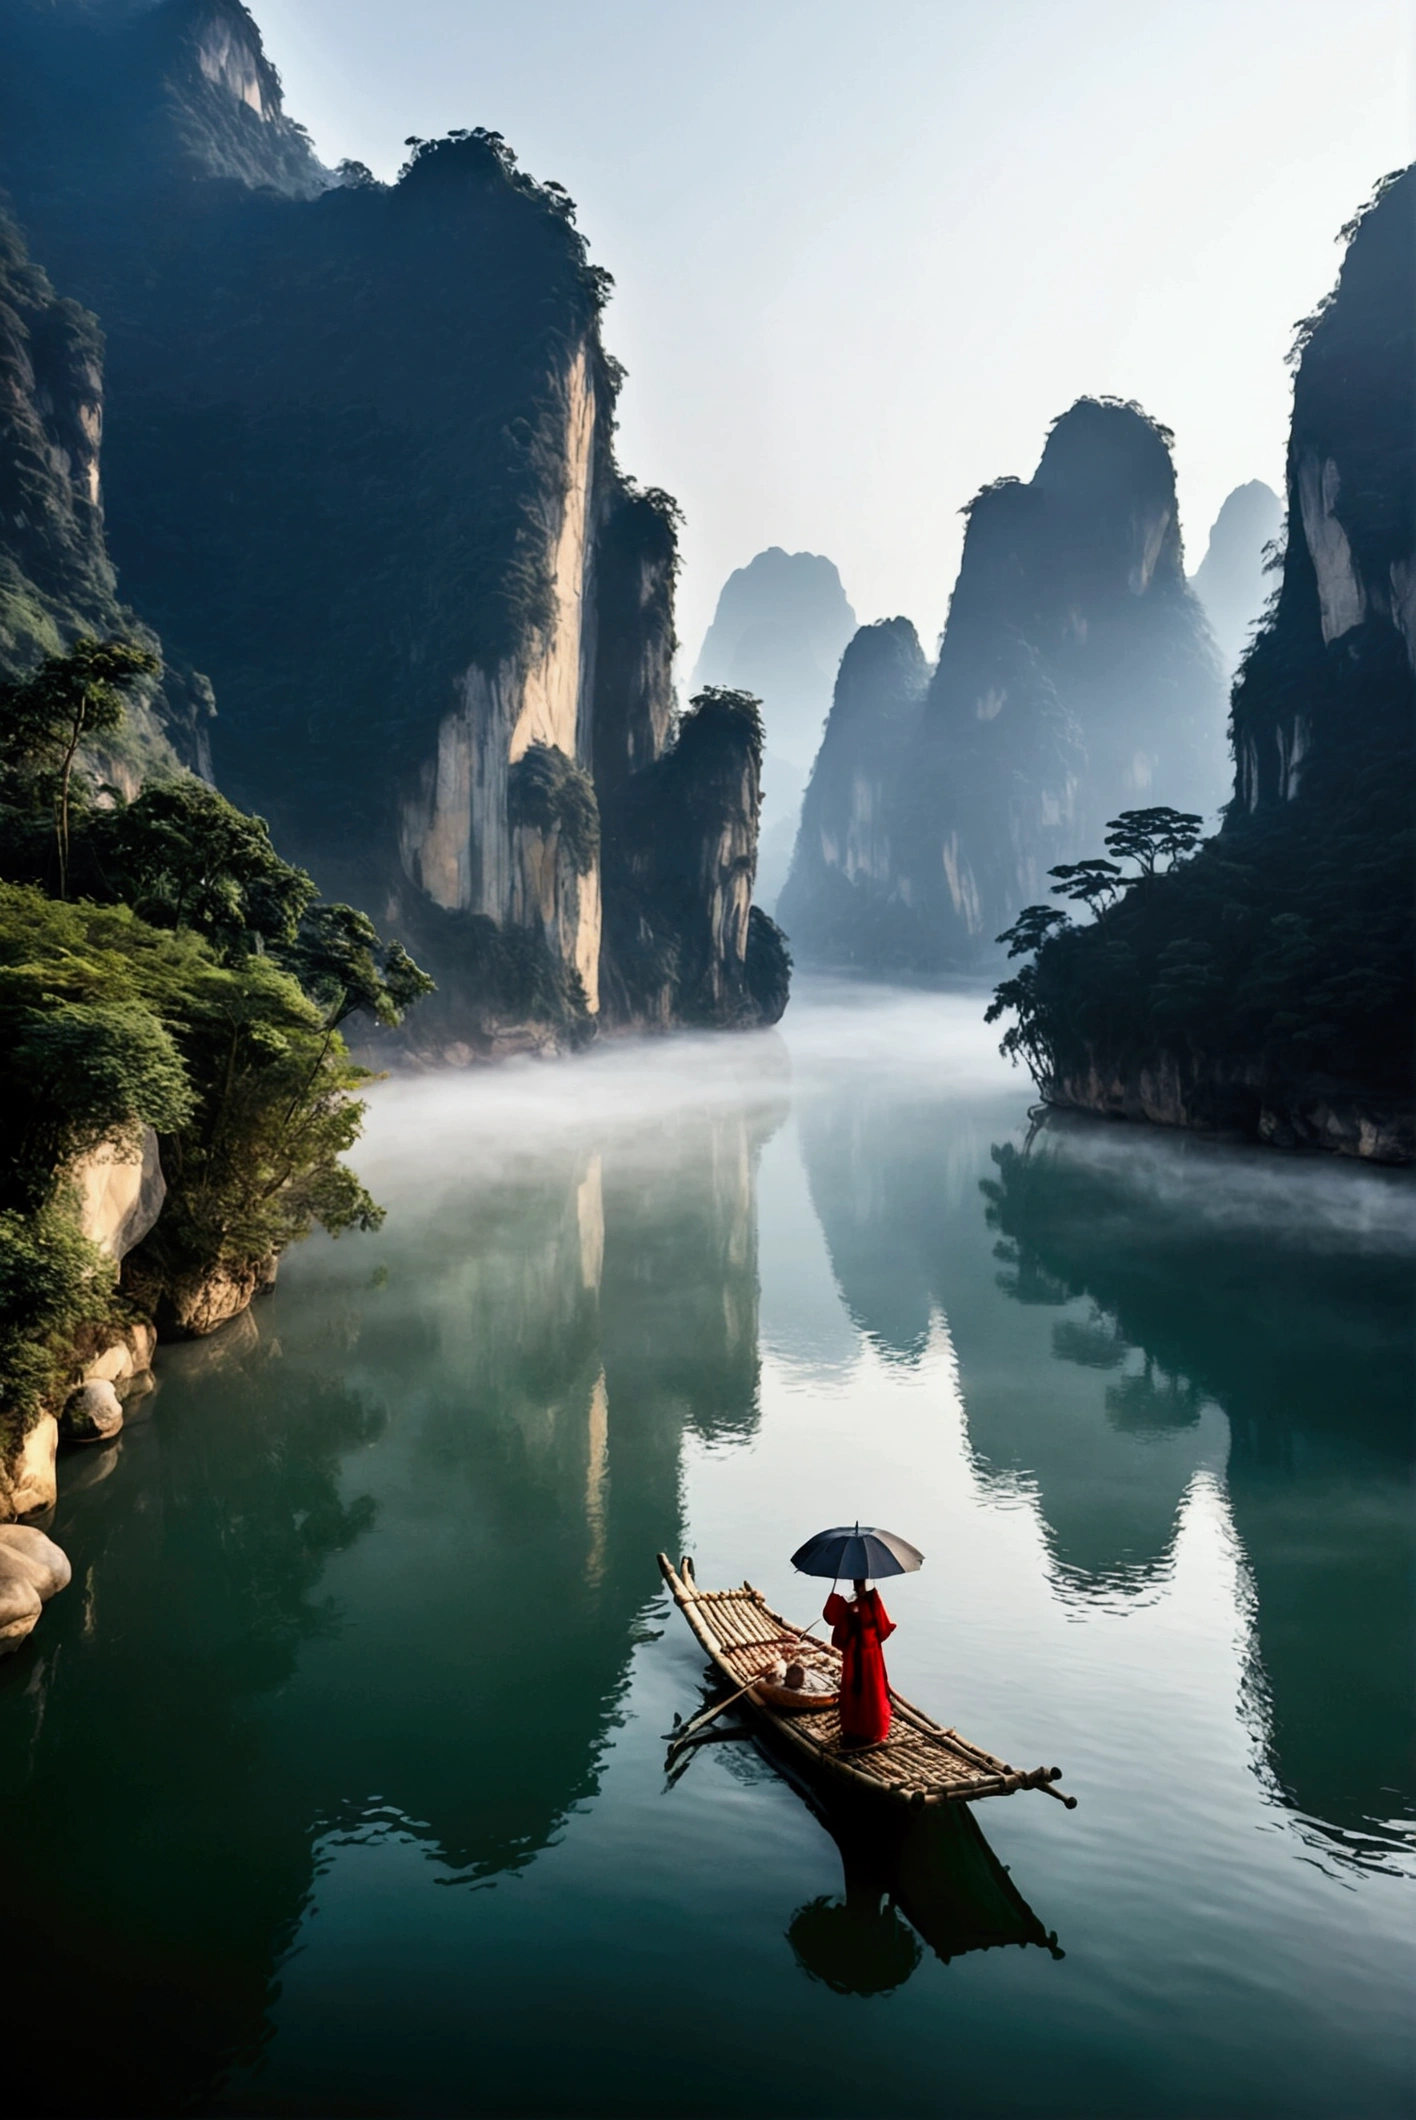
column 779, row 631
column 360, row 469
column 683, row 937
column 1076, row 678
column 1266, row 986
column 1230, row 580
column 846, row 903
column 1342, row 641
column 56, row 580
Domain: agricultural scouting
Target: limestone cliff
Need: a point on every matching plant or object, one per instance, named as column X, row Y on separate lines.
column 779, row 631
column 1076, row 678
column 1231, row 581
column 845, row 903
column 360, row 469
column 1266, row 986
column 685, row 939
column 56, row 579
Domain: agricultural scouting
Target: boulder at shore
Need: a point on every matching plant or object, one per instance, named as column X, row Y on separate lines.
column 92, row 1414
column 32, row 1568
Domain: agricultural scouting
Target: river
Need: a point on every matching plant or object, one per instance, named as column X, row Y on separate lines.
column 336, row 1781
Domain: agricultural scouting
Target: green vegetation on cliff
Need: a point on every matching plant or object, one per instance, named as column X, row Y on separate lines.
column 1267, row 984
column 685, row 939
column 195, row 988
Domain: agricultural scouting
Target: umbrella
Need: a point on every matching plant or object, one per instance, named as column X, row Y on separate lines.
column 857, row 1553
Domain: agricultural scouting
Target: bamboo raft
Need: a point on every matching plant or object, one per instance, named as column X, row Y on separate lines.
column 919, row 1763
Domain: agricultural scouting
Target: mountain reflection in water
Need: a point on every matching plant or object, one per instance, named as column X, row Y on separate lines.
column 1303, row 1331
column 1192, row 1281
column 335, row 1779
column 527, row 1359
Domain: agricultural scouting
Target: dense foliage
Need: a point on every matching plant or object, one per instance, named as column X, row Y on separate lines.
column 1282, row 951
column 189, row 982
column 548, row 793
column 351, row 404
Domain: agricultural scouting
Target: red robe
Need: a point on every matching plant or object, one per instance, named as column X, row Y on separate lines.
column 858, row 1627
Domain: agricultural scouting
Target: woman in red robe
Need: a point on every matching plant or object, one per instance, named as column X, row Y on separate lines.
column 858, row 1626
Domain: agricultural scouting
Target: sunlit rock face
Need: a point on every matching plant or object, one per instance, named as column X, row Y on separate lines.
column 1230, row 580
column 360, row 470
column 1077, row 677
column 779, row 632
column 120, row 1191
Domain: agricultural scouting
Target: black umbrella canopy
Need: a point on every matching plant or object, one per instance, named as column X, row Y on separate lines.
column 857, row 1553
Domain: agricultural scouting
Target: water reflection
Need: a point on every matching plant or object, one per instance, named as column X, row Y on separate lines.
column 895, row 1181
column 926, row 1877
column 356, row 1608
column 131, row 1748
column 1160, row 1286
column 1300, row 1324
column 501, row 1386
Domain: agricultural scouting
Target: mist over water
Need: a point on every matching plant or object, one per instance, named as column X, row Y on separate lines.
column 370, row 1643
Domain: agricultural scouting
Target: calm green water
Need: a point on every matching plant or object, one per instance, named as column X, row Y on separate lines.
column 336, row 1783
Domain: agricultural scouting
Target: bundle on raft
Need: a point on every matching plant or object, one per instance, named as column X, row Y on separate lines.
column 919, row 1763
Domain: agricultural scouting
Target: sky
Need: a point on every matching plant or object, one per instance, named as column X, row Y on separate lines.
column 865, row 251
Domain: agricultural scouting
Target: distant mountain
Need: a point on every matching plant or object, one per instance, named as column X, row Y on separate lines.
column 779, row 631
column 843, row 904
column 360, row 470
column 1230, row 580
column 1267, row 986
column 1077, row 677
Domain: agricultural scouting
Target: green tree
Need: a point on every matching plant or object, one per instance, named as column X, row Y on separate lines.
column 79, row 1073
column 45, row 719
column 186, row 857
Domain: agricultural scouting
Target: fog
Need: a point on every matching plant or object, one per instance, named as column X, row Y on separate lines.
column 844, row 1043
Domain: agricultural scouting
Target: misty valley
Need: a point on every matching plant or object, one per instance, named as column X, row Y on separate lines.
column 514, row 1115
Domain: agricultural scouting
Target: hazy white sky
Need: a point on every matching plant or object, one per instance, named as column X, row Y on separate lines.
column 865, row 250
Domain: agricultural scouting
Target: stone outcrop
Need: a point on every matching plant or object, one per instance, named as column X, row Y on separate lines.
column 1239, row 1098
column 1077, row 678
column 193, row 1305
column 28, row 1483
column 359, row 466
column 686, row 942
column 120, row 1190
column 32, row 1570
column 119, row 1355
column 92, row 1414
